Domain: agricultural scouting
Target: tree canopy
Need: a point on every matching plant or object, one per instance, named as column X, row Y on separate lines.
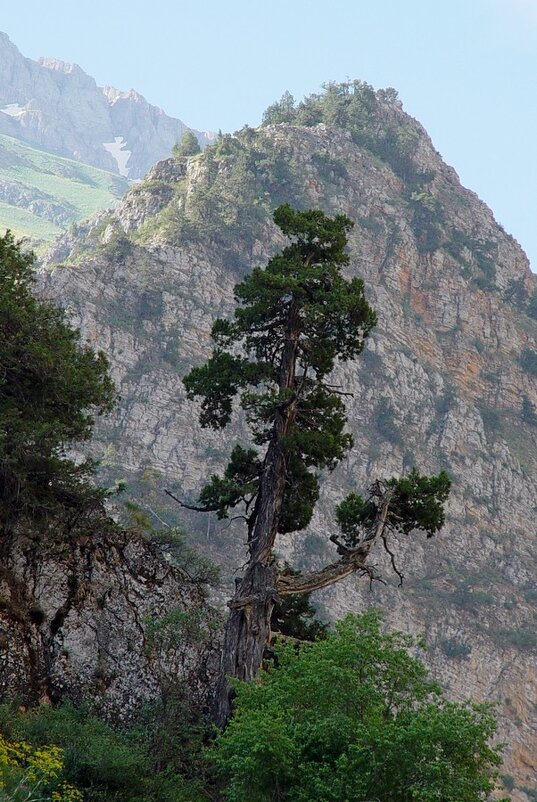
column 188, row 146
column 51, row 385
column 354, row 717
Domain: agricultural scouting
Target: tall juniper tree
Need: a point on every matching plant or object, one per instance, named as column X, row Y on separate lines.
column 294, row 319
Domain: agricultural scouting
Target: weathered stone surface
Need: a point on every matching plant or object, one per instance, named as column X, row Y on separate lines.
column 87, row 620
column 441, row 383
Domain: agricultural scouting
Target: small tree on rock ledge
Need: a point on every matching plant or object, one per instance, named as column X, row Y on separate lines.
column 294, row 319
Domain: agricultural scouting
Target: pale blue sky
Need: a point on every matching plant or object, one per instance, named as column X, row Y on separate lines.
column 466, row 69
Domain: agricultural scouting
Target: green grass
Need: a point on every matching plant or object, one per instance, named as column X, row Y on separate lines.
column 81, row 189
column 25, row 224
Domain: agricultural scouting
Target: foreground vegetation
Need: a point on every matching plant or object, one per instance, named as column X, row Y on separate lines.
column 350, row 717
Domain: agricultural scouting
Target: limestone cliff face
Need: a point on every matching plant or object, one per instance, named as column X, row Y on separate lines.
column 91, row 619
column 57, row 107
column 448, row 379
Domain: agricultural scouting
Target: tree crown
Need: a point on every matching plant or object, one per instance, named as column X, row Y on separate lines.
column 50, row 387
column 294, row 319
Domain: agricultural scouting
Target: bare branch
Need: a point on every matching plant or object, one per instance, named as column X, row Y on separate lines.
column 353, row 560
column 235, row 518
column 189, row 506
column 159, row 519
column 341, row 547
column 392, row 558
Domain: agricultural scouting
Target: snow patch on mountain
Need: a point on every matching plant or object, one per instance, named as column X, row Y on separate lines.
column 13, row 109
column 121, row 156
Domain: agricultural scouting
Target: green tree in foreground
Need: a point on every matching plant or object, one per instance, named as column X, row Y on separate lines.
column 354, row 717
column 188, row 146
column 50, row 386
column 294, row 319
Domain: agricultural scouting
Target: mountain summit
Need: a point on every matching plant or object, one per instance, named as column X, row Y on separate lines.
column 57, row 107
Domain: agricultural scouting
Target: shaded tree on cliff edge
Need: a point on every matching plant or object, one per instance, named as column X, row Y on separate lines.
column 295, row 318
column 50, row 386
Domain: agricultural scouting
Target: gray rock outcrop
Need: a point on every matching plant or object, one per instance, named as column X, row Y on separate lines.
column 90, row 619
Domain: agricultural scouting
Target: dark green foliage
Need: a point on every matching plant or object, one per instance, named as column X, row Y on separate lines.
column 280, row 112
column 477, row 254
column 445, row 402
column 529, row 414
column 427, row 220
column 238, row 485
column 353, row 514
column 300, row 496
column 386, row 426
column 354, row 106
column 303, row 288
column 468, row 599
column 230, row 206
column 515, row 292
column 118, row 248
column 532, row 305
column 455, row 648
column 354, row 717
column 492, row 419
column 528, row 361
column 417, row 504
column 328, row 168
column 188, row 146
column 525, row 639
column 159, row 758
column 50, row 387
column 508, row 782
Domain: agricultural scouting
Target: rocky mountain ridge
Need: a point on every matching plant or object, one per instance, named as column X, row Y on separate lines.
column 57, row 107
column 448, row 379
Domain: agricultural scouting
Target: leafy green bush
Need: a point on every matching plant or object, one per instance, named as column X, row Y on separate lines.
column 131, row 765
column 354, row 717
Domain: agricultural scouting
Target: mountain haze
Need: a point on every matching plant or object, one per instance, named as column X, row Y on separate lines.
column 57, row 107
column 50, row 107
column 448, row 379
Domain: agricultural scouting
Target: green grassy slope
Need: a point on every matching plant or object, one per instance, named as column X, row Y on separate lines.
column 40, row 193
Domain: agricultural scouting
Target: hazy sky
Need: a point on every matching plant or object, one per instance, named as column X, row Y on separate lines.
column 466, row 69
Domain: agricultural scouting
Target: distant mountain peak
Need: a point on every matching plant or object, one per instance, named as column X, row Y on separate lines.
column 59, row 66
column 73, row 117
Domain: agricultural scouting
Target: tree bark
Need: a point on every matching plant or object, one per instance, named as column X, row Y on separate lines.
column 352, row 560
column 248, row 626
